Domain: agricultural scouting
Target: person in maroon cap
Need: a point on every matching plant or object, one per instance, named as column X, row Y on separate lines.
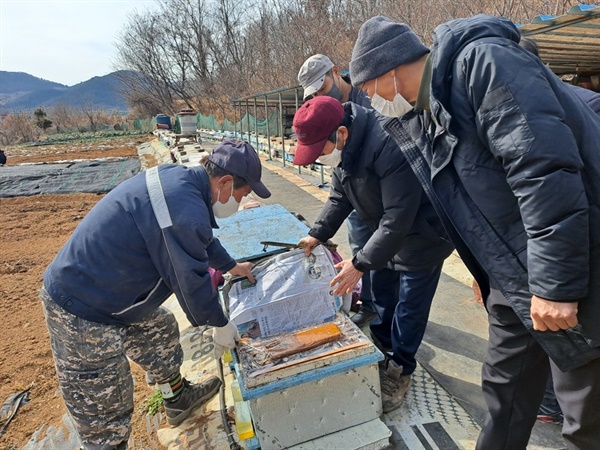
column 147, row 239
column 408, row 244
column 318, row 77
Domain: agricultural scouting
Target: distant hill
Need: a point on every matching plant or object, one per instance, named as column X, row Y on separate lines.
column 11, row 82
column 23, row 92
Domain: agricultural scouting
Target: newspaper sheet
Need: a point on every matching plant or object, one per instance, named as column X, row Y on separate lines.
column 291, row 291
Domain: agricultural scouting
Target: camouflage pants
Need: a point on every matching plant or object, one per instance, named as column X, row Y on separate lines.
column 93, row 370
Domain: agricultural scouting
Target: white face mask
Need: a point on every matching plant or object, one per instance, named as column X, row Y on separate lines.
column 334, row 158
column 395, row 108
column 222, row 210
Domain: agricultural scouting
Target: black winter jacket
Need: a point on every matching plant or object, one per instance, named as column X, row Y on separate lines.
column 375, row 180
column 591, row 98
column 357, row 96
column 514, row 170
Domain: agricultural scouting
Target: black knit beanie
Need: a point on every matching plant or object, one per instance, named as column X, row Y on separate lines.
column 381, row 46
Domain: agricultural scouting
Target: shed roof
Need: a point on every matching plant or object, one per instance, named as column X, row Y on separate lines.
column 288, row 97
column 569, row 43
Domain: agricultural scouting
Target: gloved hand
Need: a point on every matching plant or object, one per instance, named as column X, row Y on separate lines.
column 224, row 337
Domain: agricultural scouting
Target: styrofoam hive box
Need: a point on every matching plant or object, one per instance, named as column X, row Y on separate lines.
column 316, row 408
column 187, row 122
column 317, row 395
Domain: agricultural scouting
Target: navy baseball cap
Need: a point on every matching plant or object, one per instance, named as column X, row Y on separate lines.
column 239, row 158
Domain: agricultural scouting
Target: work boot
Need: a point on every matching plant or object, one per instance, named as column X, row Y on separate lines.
column 193, row 395
column 394, row 386
column 363, row 316
column 550, row 415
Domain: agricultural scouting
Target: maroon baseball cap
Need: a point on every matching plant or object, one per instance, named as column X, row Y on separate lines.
column 314, row 121
column 239, row 158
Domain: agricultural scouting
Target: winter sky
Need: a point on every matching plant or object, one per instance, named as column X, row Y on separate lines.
column 65, row 41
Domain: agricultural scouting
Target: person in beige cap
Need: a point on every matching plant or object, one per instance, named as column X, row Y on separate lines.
column 320, row 77
column 510, row 159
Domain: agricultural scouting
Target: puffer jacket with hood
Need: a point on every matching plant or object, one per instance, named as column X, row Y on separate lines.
column 146, row 239
column 513, row 168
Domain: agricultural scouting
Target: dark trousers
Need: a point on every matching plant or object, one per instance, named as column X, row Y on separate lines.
column 358, row 235
column 403, row 301
column 550, row 404
column 514, row 378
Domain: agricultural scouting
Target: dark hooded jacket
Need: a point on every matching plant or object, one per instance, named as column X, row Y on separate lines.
column 375, row 180
column 591, row 98
column 513, row 168
column 146, row 239
column 357, row 96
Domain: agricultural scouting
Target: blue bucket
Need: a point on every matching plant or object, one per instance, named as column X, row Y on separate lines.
column 163, row 119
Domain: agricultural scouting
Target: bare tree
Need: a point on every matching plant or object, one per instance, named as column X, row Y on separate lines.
column 201, row 53
column 62, row 116
column 141, row 50
column 17, row 129
column 90, row 110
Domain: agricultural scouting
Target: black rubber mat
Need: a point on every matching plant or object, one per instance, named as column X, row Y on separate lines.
column 93, row 176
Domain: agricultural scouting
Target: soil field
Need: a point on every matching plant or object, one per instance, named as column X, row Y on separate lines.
column 33, row 229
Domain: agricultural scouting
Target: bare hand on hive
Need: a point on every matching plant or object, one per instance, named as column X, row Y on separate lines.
column 244, row 269
column 346, row 279
column 308, row 243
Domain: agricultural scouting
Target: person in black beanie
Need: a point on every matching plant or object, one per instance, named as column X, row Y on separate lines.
column 510, row 158
column 549, row 410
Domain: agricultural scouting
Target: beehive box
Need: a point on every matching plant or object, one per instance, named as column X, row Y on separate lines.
column 316, row 395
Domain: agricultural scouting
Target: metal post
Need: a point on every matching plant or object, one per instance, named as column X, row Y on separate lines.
column 322, row 176
column 234, row 121
column 248, row 121
column 241, row 123
column 296, row 92
column 282, row 128
column 256, row 125
column 268, row 131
